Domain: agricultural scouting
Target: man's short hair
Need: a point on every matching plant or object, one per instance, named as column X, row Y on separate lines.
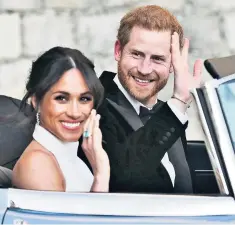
column 150, row 17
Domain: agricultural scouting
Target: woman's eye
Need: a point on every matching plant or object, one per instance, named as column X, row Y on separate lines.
column 85, row 99
column 60, row 98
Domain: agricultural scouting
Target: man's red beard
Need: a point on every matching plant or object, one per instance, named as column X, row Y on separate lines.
column 124, row 80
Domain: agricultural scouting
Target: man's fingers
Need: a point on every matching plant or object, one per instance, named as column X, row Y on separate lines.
column 175, row 49
column 198, row 66
column 185, row 50
column 197, row 73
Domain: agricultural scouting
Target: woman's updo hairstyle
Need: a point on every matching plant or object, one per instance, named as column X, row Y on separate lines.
column 49, row 68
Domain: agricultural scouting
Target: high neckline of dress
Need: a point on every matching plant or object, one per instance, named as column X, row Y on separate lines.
column 50, row 142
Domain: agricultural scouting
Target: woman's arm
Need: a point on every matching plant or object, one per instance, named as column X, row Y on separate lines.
column 97, row 157
column 100, row 184
column 37, row 170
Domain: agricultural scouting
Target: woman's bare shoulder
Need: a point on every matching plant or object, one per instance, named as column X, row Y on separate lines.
column 33, row 156
column 37, row 169
column 35, row 152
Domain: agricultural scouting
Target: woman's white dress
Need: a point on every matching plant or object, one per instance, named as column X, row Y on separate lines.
column 77, row 175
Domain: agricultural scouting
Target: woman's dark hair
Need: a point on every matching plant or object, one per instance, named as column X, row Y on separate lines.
column 50, row 67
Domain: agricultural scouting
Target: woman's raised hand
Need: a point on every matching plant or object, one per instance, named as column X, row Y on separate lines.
column 97, row 157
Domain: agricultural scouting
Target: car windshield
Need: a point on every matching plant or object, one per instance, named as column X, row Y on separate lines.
column 226, row 95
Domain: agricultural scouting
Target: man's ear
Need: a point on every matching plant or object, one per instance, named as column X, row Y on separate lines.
column 117, row 50
column 34, row 102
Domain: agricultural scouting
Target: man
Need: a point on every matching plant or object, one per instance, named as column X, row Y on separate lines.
column 146, row 148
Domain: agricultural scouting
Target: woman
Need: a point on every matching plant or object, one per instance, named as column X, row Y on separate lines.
column 64, row 91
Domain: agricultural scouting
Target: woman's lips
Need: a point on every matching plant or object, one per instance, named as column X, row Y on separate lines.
column 71, row 125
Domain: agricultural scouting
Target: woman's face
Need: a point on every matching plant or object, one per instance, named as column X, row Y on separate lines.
column 66, row 106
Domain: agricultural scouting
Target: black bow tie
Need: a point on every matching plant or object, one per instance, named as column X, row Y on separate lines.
column 145, row 114
column 145, row 111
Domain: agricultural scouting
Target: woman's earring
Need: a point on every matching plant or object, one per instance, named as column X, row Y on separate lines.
column 38, row 118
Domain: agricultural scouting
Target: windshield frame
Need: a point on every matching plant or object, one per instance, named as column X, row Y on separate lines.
column 224, row 173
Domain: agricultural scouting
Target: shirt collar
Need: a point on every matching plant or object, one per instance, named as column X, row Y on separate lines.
column 51, row 142
column 136, row 104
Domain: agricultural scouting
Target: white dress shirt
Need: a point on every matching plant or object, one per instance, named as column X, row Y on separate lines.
column 136, row 105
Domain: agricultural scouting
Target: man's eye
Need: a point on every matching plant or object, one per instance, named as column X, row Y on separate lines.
column 60, row 98
column 136, row 54
column 157, row 59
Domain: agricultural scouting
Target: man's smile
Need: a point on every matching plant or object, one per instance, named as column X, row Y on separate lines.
column 142, row 82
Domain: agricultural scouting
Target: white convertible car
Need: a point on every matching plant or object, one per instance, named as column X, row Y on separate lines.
column 213, row 165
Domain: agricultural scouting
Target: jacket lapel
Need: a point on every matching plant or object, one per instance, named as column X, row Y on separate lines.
column 119, row 102
column 130, row 117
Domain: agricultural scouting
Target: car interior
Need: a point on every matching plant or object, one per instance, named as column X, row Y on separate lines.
column 203, row 177
column 220, row 67
column 198, row 159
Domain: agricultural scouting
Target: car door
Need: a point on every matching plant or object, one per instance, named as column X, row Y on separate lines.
column 204, row 181
column 46, row 207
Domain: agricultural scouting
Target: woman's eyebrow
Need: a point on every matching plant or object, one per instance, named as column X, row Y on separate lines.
column 86, row 93
column 60, row 92
column 68, row 93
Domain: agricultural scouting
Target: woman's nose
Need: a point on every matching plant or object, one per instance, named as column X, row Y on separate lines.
column 74, row 110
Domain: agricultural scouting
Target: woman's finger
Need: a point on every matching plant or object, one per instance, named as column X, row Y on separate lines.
column 91, row 124
column 85, row 133
column 86, row 124
column 90, row 129
column 97, row 136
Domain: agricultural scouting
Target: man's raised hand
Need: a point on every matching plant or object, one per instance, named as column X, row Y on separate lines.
column 184, row 81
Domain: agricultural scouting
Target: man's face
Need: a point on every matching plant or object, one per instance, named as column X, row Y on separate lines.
column 144, row 63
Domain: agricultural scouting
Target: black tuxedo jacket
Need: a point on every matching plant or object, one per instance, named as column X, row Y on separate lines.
column 135, row 151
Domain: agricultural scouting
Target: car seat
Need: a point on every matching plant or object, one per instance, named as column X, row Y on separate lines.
column 16, row 128
column 5, row 177
column 220, row 67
